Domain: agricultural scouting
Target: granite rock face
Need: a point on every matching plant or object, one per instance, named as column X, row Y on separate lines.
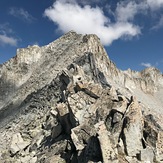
column 67, row 102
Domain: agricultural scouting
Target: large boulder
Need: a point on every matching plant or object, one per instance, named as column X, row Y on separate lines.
column 17, row 143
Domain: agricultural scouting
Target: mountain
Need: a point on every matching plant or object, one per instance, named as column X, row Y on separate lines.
column 68, row 102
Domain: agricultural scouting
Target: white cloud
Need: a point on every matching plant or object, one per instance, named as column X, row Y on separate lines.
column 146, row 64
column 5, row 28
column 155, row 4
column 8, row 40
column 21, row 14
column 159, row 24
column 82, row 2
column 71, row 16
column 126, row 11
column 78, row 15
column 5, row 35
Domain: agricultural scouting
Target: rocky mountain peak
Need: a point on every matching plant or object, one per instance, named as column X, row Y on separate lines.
column 153, row 74
column 68, row 102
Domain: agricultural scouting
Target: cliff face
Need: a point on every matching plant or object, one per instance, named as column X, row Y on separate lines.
column 67, row 102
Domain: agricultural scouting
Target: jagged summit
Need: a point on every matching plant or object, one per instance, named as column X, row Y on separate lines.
column 41, row 64
column 68, row 102
column 152, row 73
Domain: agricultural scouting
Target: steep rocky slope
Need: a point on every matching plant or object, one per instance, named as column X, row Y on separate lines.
column 67, row 102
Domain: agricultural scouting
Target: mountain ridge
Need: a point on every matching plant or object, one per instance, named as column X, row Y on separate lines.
column 51, row 81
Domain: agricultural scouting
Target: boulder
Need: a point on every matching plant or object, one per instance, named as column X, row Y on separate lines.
column 133, row 127
column 81, row 134
column 109, row 153
column 17, row 143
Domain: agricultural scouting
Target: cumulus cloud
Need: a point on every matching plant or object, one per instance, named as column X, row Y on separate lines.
column 146, row 64
column 21, row 14
column 80, row 16
column 85, row 20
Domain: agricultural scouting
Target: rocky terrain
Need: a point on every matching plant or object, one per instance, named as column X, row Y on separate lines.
column 66, row 102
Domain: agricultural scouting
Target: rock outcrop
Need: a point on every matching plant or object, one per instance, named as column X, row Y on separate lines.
column 67, row 102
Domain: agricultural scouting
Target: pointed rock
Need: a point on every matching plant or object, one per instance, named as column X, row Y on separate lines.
column 113, row 94
column 133, row 127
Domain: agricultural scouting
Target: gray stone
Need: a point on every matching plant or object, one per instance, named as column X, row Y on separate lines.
column 117, row 117
column 133, row 129
column 18, row 144
column 147, row 155
column 109, row 153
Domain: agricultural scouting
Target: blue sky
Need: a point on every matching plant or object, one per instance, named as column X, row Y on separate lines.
column 130, row 30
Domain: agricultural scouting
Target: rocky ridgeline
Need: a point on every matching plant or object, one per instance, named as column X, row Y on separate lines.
column 67, row 102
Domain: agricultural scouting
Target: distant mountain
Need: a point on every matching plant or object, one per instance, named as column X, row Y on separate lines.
column 68, row 102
